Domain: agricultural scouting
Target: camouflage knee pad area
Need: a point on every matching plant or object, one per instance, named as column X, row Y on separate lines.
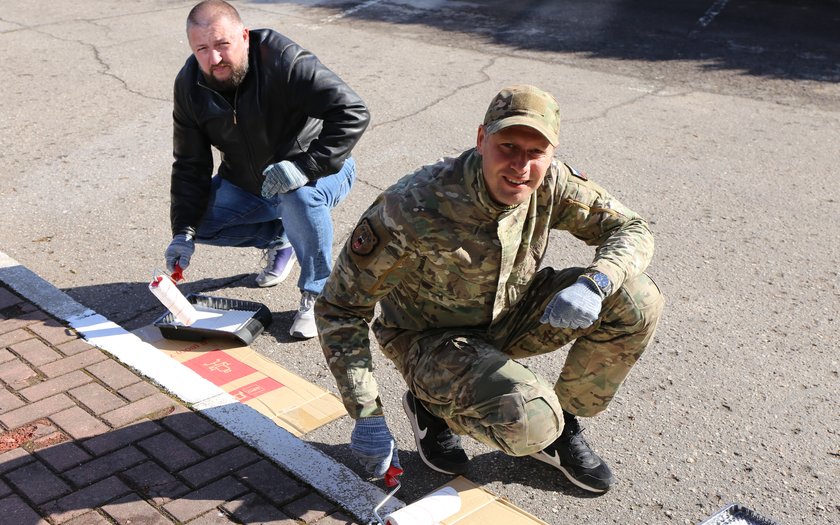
column 483, row 393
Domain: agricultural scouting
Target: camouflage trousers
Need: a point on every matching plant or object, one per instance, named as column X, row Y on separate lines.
column 471, row 377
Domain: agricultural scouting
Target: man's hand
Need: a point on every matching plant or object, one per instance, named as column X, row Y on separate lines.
column 282, row 177
column 374, row 446
column 577, row 306
column 179, row 252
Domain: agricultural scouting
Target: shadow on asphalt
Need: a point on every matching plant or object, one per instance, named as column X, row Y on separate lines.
column 766, row 38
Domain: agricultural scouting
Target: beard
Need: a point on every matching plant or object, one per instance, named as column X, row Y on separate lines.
column 237, row 75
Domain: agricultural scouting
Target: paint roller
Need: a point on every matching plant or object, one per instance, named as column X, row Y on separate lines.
column 429, row 510
column 163, row 287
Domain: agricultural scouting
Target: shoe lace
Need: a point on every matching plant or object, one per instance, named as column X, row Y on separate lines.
column 268, row 256
column 307, row 301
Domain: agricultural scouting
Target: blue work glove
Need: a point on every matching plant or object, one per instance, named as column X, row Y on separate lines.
column 374, row 446
column 577, row 306
column 282, row 177
column 179, row 251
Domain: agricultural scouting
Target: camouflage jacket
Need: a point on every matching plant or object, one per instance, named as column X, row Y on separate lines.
column 435, row 251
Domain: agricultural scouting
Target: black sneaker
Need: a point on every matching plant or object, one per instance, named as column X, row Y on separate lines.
column 570, row 453
column 439, row 447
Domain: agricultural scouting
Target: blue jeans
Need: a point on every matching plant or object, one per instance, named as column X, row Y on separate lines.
column 235, row 217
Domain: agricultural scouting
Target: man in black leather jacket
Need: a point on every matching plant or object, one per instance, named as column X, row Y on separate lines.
column 284, row 125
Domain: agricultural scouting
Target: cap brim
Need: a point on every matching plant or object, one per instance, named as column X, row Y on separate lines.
column 521, row 120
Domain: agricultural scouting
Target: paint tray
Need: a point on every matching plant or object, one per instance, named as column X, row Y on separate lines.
column 219, row 318
column 737, row 515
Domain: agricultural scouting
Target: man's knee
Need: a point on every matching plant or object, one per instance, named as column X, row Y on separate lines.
column 514, row 408
column 638, row 303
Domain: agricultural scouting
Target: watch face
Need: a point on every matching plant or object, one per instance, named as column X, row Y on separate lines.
column 601, row 280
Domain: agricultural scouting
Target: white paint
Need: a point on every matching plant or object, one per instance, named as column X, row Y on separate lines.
column 325, row 475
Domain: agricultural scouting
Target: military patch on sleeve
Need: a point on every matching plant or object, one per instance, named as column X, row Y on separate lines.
column 364, row 240
column 576, row 173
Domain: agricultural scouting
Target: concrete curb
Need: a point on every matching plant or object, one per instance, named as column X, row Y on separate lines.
column 322, row 473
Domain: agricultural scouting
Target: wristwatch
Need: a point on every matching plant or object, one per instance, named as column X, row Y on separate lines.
column 601, row 281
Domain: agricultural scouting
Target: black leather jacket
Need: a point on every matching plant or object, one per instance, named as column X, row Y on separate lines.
column 288, row 107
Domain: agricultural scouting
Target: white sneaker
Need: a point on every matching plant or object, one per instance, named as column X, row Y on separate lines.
column 278, row 263
column 303, row 327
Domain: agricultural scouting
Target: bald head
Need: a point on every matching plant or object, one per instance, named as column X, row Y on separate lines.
column 209, row 11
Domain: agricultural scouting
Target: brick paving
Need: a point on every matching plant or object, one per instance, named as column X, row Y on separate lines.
column 86, row 441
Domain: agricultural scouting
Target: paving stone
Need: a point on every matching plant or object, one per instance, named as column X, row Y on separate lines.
column 90, row 518
column 113, row 374
column 139, row 409
column 18, row 322
column 214, row 517
column 216, row 442
column 56, row 385
column 132, row 509
column 187, row 423
column 9, row 401
column 37, row 410
column 76, row 346
column 339, row 518
column 97, row 398
column 35, row 352
column 5, row 489
column 13, row 459
column 170, row 451
column 81, row 501
column 37, row 483
column 62, row 457
column 17, row 374
column 138, row 391
column 251, row 508
column 15, row 510
column 202, row 500
column 54, row 332
column 79, row 424
column 104, row 466
column 7, row 298
column 74, row 362
column 14, row 337
column 6, row 355
column 309, row 508
column 218, row 466
column 153, row 481
column 121, row 437
column 271, row 482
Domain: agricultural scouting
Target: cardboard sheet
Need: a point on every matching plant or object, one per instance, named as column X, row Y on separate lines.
column 479, row 507
column 287, row 399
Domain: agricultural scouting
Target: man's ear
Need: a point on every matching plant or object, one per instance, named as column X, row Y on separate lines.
column 479, row 140
column 245, row 34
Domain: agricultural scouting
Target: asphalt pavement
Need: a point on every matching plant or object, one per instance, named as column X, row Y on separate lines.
column 716, row 120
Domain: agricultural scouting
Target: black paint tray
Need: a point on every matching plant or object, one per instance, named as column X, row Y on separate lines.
column 252, row 319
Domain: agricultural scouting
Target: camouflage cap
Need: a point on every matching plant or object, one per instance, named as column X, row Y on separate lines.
column 523, row 105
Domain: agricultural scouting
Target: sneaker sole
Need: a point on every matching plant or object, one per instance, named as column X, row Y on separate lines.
column 415, row 428
column 539, row 457
column 276, row 279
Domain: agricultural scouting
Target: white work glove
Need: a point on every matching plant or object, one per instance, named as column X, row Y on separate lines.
column 374, row 446
column 577, row 306
column 282, row 177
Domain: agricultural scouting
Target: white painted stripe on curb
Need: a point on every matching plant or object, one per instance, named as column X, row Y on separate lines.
column 332, row 478
column 329, row 477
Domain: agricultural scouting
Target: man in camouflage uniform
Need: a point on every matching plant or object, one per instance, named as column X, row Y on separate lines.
column 452, row 253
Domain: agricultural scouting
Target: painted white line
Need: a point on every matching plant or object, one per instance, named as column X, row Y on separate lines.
column 350, row 11
column 327, row 476
column 711, row 13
